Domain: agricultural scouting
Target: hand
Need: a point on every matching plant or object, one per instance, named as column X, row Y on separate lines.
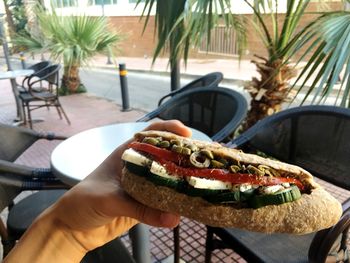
column 91, row 214
column 97, row 210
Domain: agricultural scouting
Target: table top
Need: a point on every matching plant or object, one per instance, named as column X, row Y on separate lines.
column 12, row 74
column 76, row 157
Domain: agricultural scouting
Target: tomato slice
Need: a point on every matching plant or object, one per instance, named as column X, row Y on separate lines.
column 157, row 152
column 171, row 161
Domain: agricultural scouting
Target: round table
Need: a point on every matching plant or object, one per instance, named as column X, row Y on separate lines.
column 76, row 157
column 12, row 75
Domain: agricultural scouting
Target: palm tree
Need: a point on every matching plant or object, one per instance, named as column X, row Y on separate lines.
column 181, row 24
column 271, row 90
column 74, row 39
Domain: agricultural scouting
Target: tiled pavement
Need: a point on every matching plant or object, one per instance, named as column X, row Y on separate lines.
column 86, row 112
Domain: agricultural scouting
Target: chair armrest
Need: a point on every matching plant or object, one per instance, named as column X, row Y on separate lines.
column 24, row 171
column 50, row 136
column 171, row 94
column 29, row 184
column 331, row 242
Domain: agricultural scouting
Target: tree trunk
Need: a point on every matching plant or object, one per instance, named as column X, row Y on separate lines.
column 269, row 93
column 175, row 75
column 9, row 18
column 71, row 79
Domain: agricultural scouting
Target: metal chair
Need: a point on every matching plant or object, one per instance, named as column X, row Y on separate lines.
column 47, row 96
column 315, row 138
column 36, row 68
column 210, row 80
column 15, row 178
column 215, row 111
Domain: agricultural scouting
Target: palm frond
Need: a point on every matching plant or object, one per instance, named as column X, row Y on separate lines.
column 75, row 39
column 331, row 38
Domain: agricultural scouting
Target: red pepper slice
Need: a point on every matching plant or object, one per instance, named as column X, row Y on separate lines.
column 156, row 151
column 171, row 160
column 226, row 176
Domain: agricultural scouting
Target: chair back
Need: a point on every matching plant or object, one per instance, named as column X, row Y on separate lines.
column 48, row 75
column 313, row 137
column 39, row 66
column 210, row 80
column 214, row 111
column 14, row 141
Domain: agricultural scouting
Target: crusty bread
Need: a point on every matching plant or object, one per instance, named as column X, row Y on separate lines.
column 312, row 212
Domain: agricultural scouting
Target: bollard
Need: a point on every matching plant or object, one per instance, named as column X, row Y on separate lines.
column 23, row 59
column 124, row 87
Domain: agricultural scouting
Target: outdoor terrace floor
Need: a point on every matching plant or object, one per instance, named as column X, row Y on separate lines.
column 87, row 112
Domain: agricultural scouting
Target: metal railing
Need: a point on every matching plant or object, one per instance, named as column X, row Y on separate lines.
column 223, row 41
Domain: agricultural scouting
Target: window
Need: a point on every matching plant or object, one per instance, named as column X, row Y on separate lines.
column 64, row 3
column 104, row 2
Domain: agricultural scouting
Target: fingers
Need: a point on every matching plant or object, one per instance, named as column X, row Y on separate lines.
column 155, row 217
column 174, row 126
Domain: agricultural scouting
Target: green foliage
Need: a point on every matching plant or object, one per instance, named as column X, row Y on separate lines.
column 64, row 91
column 182, row 24
column 19, row 17
column 279, row 40
column 75, row 39
column 328, row 38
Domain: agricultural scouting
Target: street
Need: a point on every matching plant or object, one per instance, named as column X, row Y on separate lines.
column 144, row 89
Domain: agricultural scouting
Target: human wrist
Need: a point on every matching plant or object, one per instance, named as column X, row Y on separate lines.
column 47, row 240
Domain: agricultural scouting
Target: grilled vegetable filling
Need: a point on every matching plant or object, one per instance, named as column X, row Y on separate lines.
column 199, row 172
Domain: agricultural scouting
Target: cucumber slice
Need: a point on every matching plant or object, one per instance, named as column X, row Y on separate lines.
column 191, row 191
column 280, row 197
column 227, row 197
column 156, row 179
column 137, row 169
column 163, row 181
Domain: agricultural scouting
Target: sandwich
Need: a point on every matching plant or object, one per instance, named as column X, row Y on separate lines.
column 224, row 187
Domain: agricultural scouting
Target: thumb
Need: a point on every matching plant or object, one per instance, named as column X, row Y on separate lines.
column 155, row 217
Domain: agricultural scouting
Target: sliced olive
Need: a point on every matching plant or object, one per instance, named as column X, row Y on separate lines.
column 176, row 148
column 207, row 153
column 176, row 142
column 199, row 161
column 224, row 161
column 150, row 140
column 234, row 168
column 253, row 170
column 193, row 147
column 164, row 144
column 268, row 170
column 217, row 164
column 186, row 151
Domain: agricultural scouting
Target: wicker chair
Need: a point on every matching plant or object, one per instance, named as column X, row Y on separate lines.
column 46, row 96
column 317, row 139
column 210, row 80
column 216, row 111
column 15, row 178
column 36, row 68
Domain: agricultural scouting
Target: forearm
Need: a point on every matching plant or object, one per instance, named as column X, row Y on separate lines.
column 46, row 241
